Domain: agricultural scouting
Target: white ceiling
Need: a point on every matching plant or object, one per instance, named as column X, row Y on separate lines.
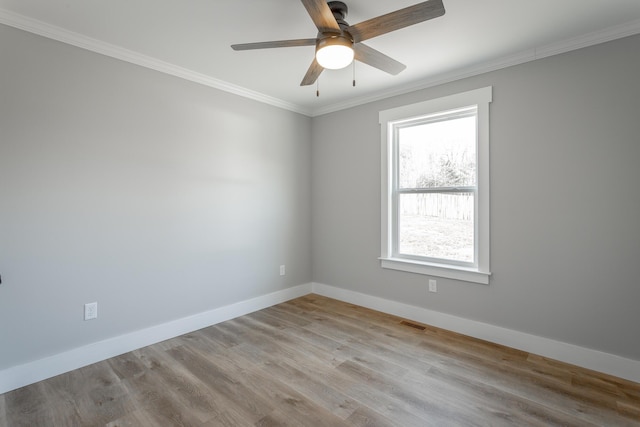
column 192, row 38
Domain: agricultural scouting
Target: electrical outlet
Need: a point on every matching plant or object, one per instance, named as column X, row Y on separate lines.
column 282, row 270
column 433, row 287
column 90, row 311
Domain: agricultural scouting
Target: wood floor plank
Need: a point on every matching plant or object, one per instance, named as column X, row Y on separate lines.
column 426, row 406
column 3, row 411
column 496, row 403
column 631, row 410
column 320, row 362
column 306, row 355
column 27, row 406
column 160, row 403
column 72, row 399
column 186, row 388
column 313, row 387
column 126, row 365
column 244, row 401
column 229, row 418
column 293, row 406
column 367, row 417
column 221, row 336
column 137, row 418
column 289, row 317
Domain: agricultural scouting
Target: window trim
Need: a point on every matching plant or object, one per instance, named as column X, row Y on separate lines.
column 480, row 273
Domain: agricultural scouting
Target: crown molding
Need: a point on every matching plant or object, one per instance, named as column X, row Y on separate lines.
column 94, row 45
column 602, row 36
column 75, row 39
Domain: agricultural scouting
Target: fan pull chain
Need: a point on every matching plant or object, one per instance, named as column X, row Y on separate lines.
column 318, row 87
column 354, row 73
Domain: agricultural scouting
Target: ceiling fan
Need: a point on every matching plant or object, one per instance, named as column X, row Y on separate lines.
column 338, row 43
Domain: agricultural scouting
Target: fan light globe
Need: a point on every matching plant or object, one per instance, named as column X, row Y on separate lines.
column 334, row 52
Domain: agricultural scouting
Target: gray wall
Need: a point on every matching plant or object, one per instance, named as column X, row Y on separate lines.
column 156, row 197
column 160, row 198
column 565, row 203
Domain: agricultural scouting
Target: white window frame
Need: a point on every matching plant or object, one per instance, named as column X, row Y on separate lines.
column 480, row 272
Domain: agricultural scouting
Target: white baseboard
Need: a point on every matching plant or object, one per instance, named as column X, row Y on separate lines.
column 38, row 370
column 580, row 356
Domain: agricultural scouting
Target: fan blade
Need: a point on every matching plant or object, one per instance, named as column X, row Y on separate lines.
column 278, row 43
column 396, row 20
column 377, row 59
column 321, row 15
column 313, row 73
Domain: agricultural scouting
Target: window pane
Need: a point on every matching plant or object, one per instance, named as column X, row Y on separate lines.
column 438, row 154
column 437, row 225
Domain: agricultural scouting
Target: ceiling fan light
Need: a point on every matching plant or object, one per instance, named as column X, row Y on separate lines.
column 334, row 52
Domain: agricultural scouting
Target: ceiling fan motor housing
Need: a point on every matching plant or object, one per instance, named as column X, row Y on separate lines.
column 334, row 39
column 339, row 10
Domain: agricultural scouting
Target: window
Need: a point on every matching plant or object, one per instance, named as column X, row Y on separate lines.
column 435, row 187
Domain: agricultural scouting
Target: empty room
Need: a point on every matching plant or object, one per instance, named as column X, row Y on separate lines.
column 312, row 213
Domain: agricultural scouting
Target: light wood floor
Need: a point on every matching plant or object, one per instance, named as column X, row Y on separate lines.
column 315, row 361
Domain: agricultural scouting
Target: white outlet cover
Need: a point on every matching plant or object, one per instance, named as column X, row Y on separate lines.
column 433, row 287
column 91, row 311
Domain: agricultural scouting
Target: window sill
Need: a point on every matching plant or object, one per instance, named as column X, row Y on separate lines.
column 437, row 270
